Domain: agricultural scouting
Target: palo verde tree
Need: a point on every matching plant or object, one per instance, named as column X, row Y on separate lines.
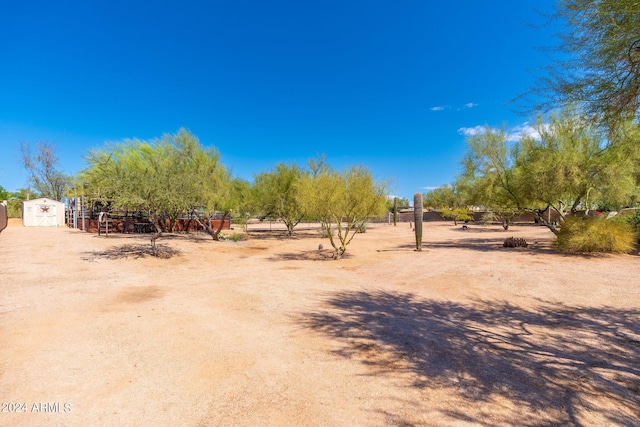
column 43, row 169
column 342, row 201
column 244, row 205
column 221, row 195
column 276, row 194
column 131, row 175
column 572, row 165
column 569, row 165
column 449, row 201
column 157, row 177
column 598, row 59
column 489, row 178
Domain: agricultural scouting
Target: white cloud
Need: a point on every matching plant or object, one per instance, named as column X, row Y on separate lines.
column 476, row 130
column 456, row 107
column 513, row 134
column 524, row 129
column 429, row 188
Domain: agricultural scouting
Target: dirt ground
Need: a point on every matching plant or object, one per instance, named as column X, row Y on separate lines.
column 271, row 331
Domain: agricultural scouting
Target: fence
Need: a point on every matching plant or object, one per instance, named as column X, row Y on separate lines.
column 4, row 216
column 85, row 215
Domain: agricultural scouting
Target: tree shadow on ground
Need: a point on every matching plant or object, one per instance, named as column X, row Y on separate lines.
column 269, row 235
column 313, row 255
column 282, row 234
column 191, row 237
column 490, row 245
column 134, row 251
column 536, row 247
column 479, row 245
column 478, row 228
column 552, row 365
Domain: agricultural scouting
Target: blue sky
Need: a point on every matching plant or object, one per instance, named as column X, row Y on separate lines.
column 388, row 85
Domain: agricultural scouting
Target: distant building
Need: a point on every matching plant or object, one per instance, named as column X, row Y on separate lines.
column 42, row 213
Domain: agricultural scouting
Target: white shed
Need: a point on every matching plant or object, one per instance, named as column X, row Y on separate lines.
column 42, row 213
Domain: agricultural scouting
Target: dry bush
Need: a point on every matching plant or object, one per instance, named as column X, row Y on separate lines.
column 595, row 235
column 515, row 242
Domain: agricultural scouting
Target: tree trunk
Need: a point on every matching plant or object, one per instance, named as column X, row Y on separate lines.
column 550, row 225
column 208, row 228
column 155, row 236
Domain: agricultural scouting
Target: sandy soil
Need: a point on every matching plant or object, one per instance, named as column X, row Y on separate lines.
column 271, row 331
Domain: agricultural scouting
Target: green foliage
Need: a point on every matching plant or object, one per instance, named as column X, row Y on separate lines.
column 402, row 202
column 327, row 232
column 244, row 205
column 235, row 237
column 444, row 197
column 342, row 201
column 459, row 214
column 598, row 61
column 595, row 234
column 15, row 199
column 167, row 176
column 276, row 194
column 489, row 177
column 634, row 220
column 571, row 164
column 488, row 218
column 14, row 208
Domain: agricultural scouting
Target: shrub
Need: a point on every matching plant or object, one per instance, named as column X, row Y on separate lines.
column 595, row 234
column 488, row 218
column 324, row 232
column 458, row 214
column 362, row 228
column 634, row 220
column 515, row 242
column 14, row 208
column 236, row 237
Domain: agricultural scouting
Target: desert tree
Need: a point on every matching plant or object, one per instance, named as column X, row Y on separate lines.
column 342, row 202
column 13, row 202
column 445, row 196
column 43, row 169
column 4, row 194
column 449, row 201
column 568, row 165
column 161, row 177
column 489, row 178
column 400, row 202
column 597, row 61
column 276, row 194
column 130, row 175
column 220, row 196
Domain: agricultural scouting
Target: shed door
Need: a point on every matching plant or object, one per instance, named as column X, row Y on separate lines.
column 45, row 215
